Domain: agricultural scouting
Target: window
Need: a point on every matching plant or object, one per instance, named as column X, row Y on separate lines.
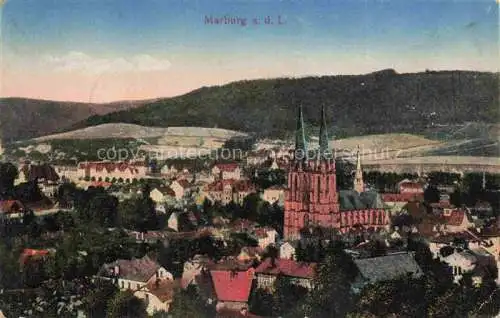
column 128, row 285
column 123, row 284
column 319, row 188
column 306, row 219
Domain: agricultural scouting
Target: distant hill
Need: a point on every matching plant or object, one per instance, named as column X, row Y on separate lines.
column 380, row 102
column 375, row 103
column 124, row 131
column 23, row 118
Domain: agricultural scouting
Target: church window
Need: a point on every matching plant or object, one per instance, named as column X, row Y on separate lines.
column 306, row 220
column 319, row 188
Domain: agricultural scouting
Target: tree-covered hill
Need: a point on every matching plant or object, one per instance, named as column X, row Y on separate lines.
column 379, row 102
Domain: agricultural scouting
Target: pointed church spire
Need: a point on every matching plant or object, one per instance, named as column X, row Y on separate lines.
column 359, row 185
column 324, row 147
column 300, row 137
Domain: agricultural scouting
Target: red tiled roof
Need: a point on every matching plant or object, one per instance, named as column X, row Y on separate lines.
column 287, row 267
column 455, row 218
column 226, row 166
column 401, row 197
column 238, row 185
column 10, row 206
column 32, row 253
column 232, row 285
column 411, row 185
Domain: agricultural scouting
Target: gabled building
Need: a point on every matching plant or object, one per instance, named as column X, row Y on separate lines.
column 134, row 274
column 298, row 273
column 232, row 287
column 230, row 190
column 287, row 250
column 226, row 171
column 11, row 207
column 157, row 294
column 162, row 194
column 274, row 194
column 383, row 268
column 181, row 188
column 125, row 172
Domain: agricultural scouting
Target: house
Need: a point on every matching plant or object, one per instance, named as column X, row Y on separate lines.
column 193, row 268
column 173, row 221
column 121, row 171
column 395, row 202
column 460, row 263
column 230, row 190
column 29, row 254
column 299, row 273
column 456, row 220
column 168, row 170
column 287, row 250
column 162, row 194
column 182, row 221
column 226, row 171
column 157, row 295
column 383, row 268
column 274, row 194
column 250, row 253
column 180, row 188
column 265, row 236
column 150, row 237
column 232, row 287
column 446, row 188
column 67, row 173
column 41, row 173
column 134, row 274
column 407, row 186
column 11, row 207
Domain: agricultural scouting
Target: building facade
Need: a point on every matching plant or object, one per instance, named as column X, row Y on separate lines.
column 312, row 198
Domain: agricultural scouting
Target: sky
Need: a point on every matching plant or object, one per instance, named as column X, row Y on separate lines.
column 111, row 50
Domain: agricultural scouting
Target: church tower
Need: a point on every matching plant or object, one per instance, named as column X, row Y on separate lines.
column 311, row 197
column 358, row 185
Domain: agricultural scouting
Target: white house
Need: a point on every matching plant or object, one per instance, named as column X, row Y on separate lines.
column 159, row 194
column 265, row 236
column 287, row 250
column 226, row 171
column 460, row 262
column 157, row 294
column 274, row 194
column 134, row 274
column 180, row 188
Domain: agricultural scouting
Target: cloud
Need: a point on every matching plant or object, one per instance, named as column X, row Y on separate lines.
column 84, row 63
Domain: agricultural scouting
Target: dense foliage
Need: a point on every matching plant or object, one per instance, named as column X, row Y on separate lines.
column 395, row 102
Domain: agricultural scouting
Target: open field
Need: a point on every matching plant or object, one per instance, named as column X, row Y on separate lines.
column 121, row 130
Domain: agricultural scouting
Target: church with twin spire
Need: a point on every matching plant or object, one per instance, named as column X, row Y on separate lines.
column 312, row 198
